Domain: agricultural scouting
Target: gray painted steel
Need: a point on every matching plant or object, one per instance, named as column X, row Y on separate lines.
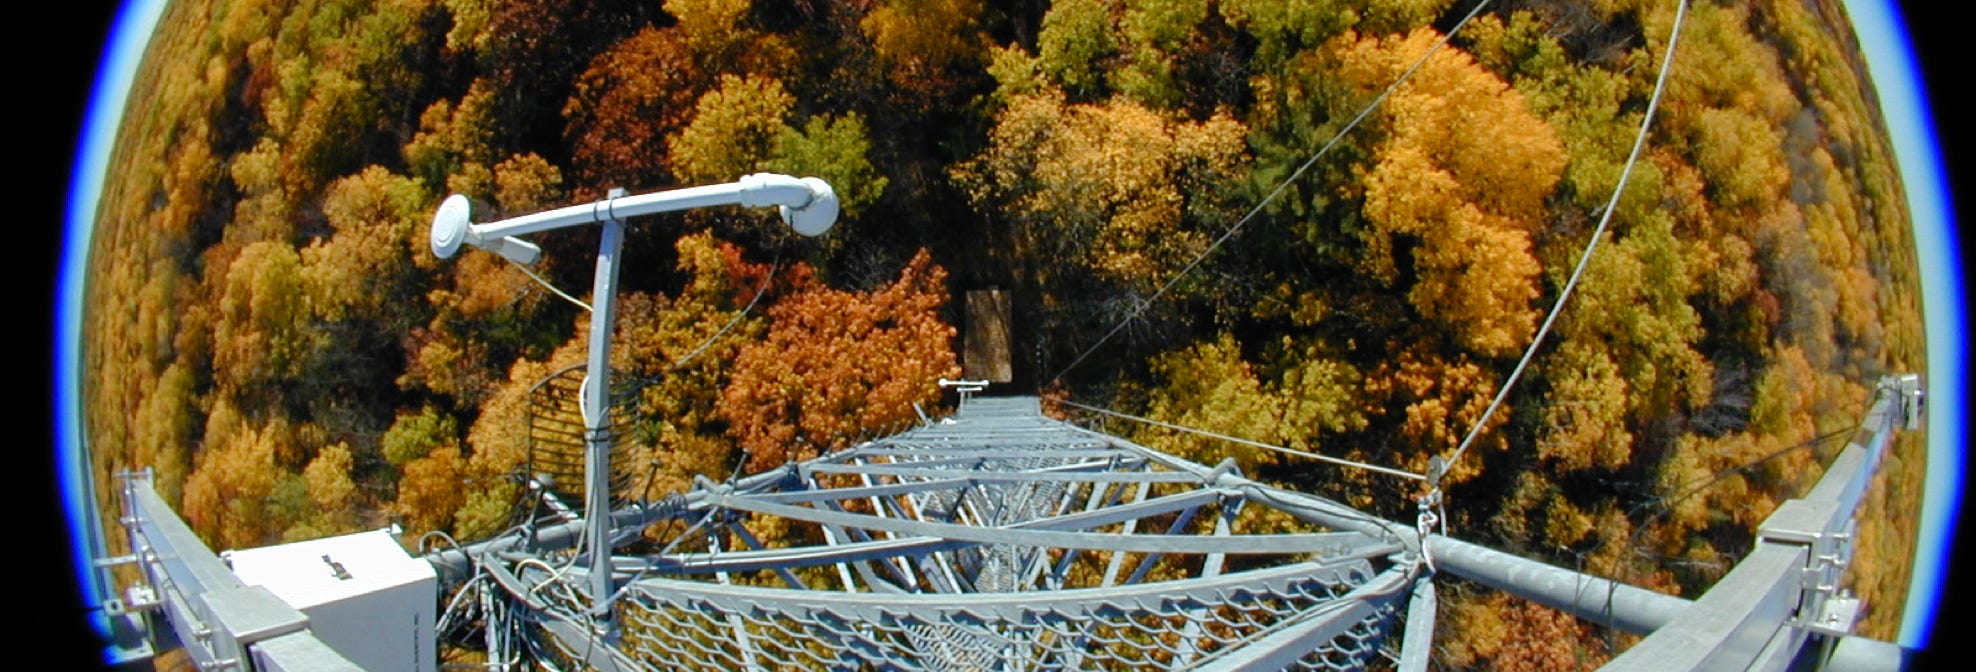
column 596, row 414
column 1602, row 601
column 298, row 652
column 997, row 538
column 1860, row 654
column 1418, row 646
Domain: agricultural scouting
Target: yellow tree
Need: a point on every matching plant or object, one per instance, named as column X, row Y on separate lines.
column 1585, row 419
column 1794, row 403
column 1440, row 399
column 499, row 442
column 677, row 346
column 1116, row 188
column 1076, row 37
column 681, row 432
column 1297, row 399
column 415, row 435
column 262, row 331
column 724, row 39
column 835, row 149
column 455, row 141
column 238, row 469
column 712, row 25
column 1499, row 632
column 431, row 490
column 744, row 126
column 734, row 127
column 1157, row 32
column 1629, row 352
column 479, row 304
column 365, row 270
column 332, row 494
column 161, row 430
column 1208, row 386
column 527, row 183
column 1461, row 179
column 925, row 46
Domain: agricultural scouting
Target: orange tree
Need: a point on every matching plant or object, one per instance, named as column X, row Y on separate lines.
column 835, row 364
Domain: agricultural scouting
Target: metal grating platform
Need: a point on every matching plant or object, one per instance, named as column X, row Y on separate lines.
column 1001, row 539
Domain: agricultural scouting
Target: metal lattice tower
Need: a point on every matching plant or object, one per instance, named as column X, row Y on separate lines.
column 1003, row 539
column 1000, row 539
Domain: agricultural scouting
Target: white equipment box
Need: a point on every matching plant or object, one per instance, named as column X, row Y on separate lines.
column 364, row 595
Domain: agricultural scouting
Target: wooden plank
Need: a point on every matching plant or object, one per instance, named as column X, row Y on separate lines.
column 985, row 349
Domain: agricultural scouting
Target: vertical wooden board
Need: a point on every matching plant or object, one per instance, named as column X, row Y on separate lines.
column 985, row 354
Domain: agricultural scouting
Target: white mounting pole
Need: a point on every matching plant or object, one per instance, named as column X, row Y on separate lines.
column 808, row 205
column 596, row 405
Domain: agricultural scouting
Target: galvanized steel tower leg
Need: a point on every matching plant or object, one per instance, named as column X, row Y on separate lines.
column 1597, row 600
column 1418, row 644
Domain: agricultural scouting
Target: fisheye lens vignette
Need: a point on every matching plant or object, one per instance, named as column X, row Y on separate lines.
column 1898, row 65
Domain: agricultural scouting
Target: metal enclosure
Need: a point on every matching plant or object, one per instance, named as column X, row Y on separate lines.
column 364, row 595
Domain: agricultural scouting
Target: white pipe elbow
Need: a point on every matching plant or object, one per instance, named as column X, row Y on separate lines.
column 808, row 204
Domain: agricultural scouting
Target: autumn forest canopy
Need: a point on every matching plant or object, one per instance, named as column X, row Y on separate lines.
column 267, row 329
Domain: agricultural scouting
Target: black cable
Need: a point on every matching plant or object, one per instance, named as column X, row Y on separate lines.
column 1141, row 306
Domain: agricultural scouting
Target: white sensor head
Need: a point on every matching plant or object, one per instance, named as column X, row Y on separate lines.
column 817, row 216
column 450, row 226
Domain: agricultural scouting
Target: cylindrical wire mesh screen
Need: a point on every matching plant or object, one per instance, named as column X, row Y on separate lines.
column 556, row 434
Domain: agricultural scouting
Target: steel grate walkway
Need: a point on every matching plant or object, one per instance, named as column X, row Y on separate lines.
column 1000, row 539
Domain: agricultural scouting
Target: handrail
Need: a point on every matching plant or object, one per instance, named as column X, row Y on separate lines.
column 220, row 621
column 1763, row 612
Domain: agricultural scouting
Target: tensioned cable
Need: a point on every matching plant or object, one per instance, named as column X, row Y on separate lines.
column 768, row 279
column 1665, row 505
column 552, row 288
column 761, row 290
column 1564, row 295
column 1274, row 193
column 1247, row 442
